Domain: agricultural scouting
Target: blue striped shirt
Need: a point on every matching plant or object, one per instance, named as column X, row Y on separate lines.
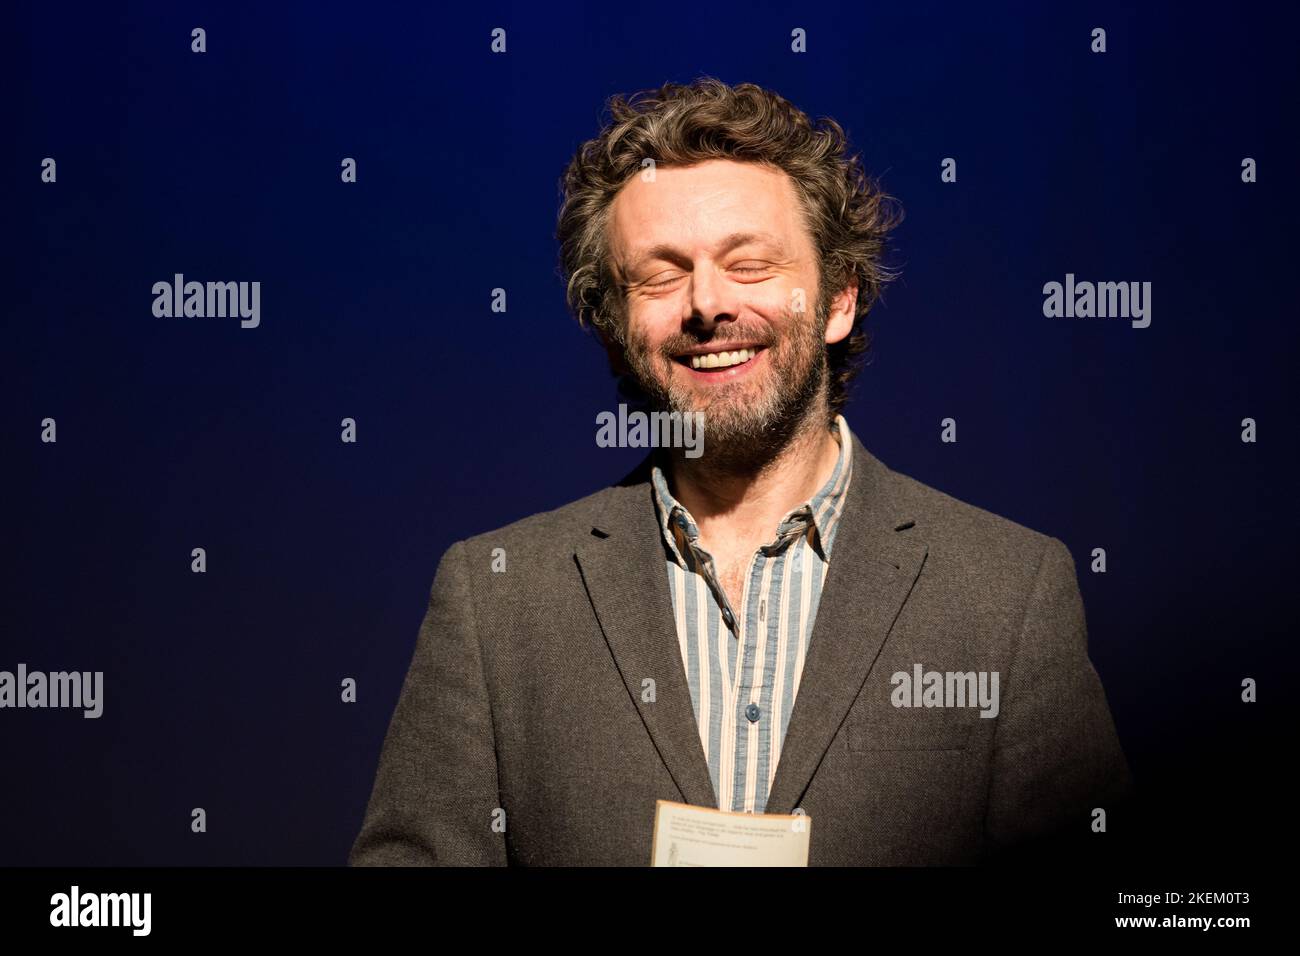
column 744, row 664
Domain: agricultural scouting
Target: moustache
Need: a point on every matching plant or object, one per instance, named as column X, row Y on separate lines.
column 684, row 343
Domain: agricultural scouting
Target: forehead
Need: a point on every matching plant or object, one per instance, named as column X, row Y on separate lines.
column 690, row 206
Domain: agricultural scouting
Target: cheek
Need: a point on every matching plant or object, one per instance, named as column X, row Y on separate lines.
column 651, row 324
column 776, row 304
column 783, row 292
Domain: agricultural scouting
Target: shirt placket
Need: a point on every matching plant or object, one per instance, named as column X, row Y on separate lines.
column 745, row 698
column 795, row 526
column 789, row 531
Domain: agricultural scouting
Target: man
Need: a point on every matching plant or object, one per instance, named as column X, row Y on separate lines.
column 772, row 625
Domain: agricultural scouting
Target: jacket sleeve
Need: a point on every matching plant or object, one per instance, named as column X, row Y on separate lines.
column 435, row 796
column 1056, row 755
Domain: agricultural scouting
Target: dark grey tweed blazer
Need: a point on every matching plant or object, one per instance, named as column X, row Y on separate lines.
column 521, row 735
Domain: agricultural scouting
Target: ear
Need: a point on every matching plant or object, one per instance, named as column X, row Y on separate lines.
column 839, row 323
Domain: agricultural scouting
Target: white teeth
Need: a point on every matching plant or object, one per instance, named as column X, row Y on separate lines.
column 723, row 359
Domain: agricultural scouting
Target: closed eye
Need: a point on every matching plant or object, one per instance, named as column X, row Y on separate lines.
column 668, row 281
column 752, row 267
column 746, row 270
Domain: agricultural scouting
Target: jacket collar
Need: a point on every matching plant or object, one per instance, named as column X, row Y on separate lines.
column 822, row 510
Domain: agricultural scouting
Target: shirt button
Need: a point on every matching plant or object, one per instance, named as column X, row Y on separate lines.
column 728, row 617
column 752, row 712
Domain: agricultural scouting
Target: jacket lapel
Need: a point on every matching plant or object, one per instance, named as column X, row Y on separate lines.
column 872, row 569
column 622, row 566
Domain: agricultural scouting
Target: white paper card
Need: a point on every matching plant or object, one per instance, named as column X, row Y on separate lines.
column 687, row 835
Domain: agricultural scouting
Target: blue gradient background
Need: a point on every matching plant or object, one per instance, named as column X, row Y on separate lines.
column 222, row 689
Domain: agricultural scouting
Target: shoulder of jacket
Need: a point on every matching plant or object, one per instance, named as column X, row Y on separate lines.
column 966, row 531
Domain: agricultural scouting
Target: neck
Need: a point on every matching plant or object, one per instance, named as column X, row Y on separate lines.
column 738, row 506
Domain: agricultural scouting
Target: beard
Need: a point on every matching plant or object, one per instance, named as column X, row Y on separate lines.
column 747, row 423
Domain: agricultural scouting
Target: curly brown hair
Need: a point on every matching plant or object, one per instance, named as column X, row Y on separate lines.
column 847, row 213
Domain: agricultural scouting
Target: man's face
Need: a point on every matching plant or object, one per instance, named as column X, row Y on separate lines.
column 721, row 299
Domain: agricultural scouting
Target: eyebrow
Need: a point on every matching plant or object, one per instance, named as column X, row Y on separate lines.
column 667, row 251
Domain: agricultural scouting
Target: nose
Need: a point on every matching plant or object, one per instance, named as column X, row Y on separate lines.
column 712, row 299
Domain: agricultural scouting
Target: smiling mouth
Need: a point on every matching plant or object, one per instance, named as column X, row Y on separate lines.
column 719, row 360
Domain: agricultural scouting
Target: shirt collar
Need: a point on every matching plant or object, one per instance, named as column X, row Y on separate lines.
column 823, row 510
